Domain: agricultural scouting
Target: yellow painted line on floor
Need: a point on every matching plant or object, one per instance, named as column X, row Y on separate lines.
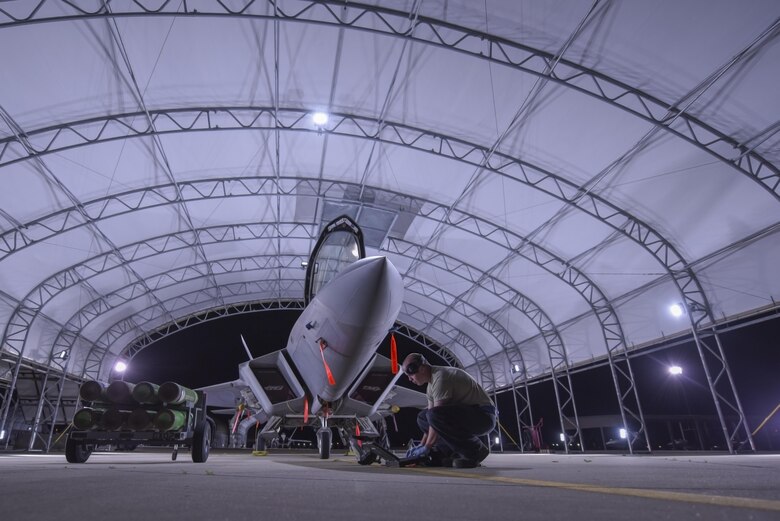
column 665, row 495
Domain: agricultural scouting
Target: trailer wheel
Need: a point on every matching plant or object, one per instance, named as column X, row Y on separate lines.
column 75, row 452
column 201, row 441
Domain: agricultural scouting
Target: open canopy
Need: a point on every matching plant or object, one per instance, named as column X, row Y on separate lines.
column 548, row 177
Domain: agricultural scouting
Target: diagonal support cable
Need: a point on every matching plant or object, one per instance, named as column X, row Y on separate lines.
column 182, row 206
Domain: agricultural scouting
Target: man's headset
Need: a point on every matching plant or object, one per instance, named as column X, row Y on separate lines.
column 413, row 367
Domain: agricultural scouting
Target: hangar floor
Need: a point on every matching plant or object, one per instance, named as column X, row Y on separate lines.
column 238, row 486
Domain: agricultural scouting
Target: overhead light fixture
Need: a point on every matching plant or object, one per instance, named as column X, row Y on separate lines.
column 62, row 355
column 120, row 367
column 623, row 434
column 563, row 437
column 498, row 440
column 675, row 369
column 677, row 310
column 319, row 118
column 516, row 368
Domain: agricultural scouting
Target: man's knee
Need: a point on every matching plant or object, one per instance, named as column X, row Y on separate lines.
column 457, row 418
column 423, row 421
column 442, row 418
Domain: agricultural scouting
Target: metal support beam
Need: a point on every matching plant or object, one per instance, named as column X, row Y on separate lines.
column 559, row 365
column 510, row 168
column 461, row 220
column 466, row 41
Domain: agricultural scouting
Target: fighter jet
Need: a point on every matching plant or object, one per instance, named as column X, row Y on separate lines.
column 329, row 375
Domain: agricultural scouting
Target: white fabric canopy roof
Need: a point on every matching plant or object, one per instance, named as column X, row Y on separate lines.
column 539, row 172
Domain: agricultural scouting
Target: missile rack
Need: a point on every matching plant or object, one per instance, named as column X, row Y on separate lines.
column 127, row 415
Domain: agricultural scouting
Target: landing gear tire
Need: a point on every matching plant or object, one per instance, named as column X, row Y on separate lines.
column 76, row 452
column 324, row 438
column 201, row 441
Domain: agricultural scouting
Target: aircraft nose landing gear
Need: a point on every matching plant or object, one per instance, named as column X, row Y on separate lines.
column 324, row 439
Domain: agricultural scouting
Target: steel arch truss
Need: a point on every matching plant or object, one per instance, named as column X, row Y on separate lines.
column 402, row 135
column 478, row 45
column 419, row 139
column 30, row 307
column 467, row 41
column 17, row 329
column 457, row 336
column 96, row 357
column 212, row 314
column 154, row 312
column 445, row 328
column 627, row 394
column 50, row 381
column 51, row 403
column 156, row 196
column 427, row 343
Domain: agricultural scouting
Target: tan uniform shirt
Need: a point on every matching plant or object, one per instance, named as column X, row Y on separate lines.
column 456, row 387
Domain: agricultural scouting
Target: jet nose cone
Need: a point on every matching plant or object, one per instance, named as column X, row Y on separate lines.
column 370, row 289
column 375, row 269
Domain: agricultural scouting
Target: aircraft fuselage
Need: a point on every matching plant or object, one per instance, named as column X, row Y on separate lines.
column 345, row 322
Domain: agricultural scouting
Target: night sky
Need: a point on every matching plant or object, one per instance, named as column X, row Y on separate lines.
column 209, row 353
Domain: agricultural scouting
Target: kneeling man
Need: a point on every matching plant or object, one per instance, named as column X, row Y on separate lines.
column 459, row 411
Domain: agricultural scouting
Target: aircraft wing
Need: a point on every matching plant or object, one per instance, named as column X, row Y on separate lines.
column 376, row 392
column 226, row 395
column 403, row 397
column 265, row 384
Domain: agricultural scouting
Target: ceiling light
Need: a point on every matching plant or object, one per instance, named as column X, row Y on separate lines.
column 676, row 310
column 623, row 434
column 675, row 369
column 319, row 118
column 120, row 367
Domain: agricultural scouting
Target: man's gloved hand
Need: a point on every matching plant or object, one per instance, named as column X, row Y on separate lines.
column 418, row 452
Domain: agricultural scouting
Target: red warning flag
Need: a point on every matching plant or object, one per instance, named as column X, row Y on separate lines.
column 239, row 414
column 331, row 380
column 393, row 354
